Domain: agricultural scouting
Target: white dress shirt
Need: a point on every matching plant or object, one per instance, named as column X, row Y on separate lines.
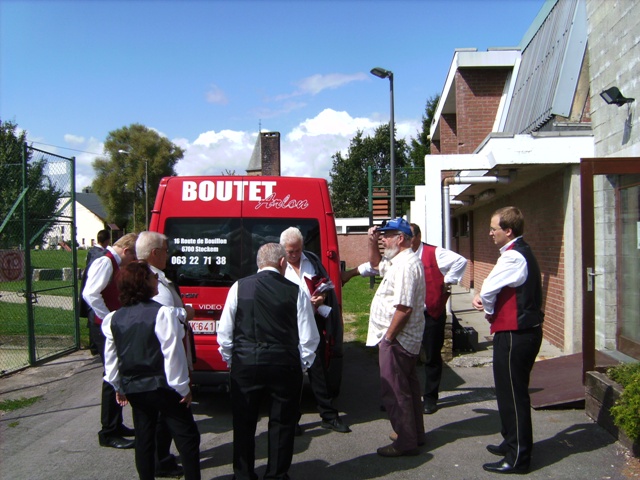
column 510, row 271
column 307, row 330
column 98, row 277
column 450, row 264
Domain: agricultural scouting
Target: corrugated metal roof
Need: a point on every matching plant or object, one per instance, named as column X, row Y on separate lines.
column 548, row 73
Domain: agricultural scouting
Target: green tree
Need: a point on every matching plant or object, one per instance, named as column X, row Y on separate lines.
column 349, row 182
column 42, row 197
column 349, row 185
column 120, row 174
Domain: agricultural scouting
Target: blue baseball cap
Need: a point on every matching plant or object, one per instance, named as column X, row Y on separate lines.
column 399, row 224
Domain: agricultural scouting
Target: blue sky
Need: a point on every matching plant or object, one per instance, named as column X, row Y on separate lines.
column 208, row 74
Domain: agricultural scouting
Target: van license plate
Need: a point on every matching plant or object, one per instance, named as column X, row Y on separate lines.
column 204, row 327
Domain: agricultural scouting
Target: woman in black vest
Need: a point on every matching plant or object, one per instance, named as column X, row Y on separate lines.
column 146, row 363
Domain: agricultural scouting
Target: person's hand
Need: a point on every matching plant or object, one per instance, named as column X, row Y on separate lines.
column 317, row 300
column 121, row 399
column 186, row 400
column 191, row 313
column 373, row 233
column 477, row 303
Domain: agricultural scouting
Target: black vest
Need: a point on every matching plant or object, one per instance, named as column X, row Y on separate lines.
column 266, row 326
column 140, row 359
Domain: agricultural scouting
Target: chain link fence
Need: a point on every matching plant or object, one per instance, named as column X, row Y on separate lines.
column 38, row 262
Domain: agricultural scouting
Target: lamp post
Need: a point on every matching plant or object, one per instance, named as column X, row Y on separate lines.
column 382, row 73
column 146, row 190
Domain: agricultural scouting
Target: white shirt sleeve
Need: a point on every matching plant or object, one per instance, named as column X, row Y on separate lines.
column 112, row 374
column 226, row 324
column 307, row 331
column 98, row 277
column 366, row 270
column 164, row 296
column 451, row 265
column 170, row 333
column 510, row 271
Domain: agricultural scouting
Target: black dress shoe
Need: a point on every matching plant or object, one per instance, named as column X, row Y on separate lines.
column 505, row 467
column 336, row 425
column 497, row 450
column 429, row 408
column 175, row 471
column 125, row 431
column 115, row 441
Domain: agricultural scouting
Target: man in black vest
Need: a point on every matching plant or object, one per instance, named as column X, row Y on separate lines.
column 511, row 298
column 267, row 336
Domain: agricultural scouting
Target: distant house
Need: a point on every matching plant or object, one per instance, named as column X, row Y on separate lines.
column 91, row 217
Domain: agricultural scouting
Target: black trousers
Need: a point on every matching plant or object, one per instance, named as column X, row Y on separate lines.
column 110, row 411
column 432, row 341
column 280, row 387
column 514, row 353
column 146, row 406
column 317, row 374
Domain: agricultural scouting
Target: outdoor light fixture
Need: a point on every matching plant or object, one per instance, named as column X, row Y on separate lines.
column 614, row 96
column 382, row 73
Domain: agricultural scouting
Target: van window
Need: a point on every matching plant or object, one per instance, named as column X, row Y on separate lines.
column 212, row 252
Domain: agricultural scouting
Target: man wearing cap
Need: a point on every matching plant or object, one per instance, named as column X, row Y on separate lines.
column 396, row 325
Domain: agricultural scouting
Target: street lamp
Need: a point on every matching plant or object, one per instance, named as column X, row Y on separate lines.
column 146, row 190
column 382, row 73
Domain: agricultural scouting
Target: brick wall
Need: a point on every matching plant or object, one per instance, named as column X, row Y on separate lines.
column 543, row 211
column 478, row 94
column 354, row 248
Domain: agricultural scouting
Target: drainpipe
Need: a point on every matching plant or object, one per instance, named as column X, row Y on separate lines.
column 446, row 201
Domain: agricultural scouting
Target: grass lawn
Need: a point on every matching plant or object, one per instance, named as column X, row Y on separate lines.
column 356, row 300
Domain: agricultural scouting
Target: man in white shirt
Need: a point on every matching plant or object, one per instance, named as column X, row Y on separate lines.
column 442, row 268
column 153, row 248
column 511, row 298
column 101, row 294
column 267, row 336
column 304, row 269
column 396, row 325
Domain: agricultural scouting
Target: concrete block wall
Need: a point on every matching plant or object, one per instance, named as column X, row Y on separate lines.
column 614, row 60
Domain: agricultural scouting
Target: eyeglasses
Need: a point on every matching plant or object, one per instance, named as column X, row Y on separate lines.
column 390, row 235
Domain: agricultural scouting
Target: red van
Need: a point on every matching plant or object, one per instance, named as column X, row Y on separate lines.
column 215, row 226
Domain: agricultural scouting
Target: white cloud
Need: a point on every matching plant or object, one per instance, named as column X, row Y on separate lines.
column 331, row 122
column 74, row 139
column 306, row 150
column 317, row 83
column 216, row 95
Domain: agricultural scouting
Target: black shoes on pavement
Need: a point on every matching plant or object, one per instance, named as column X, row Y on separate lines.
column 429, row 408
column 505, row 467
column 336, row 425
column 115, row 441
column 125, row 431
column 169, row 468
column 496, row 450
column 391, row 451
